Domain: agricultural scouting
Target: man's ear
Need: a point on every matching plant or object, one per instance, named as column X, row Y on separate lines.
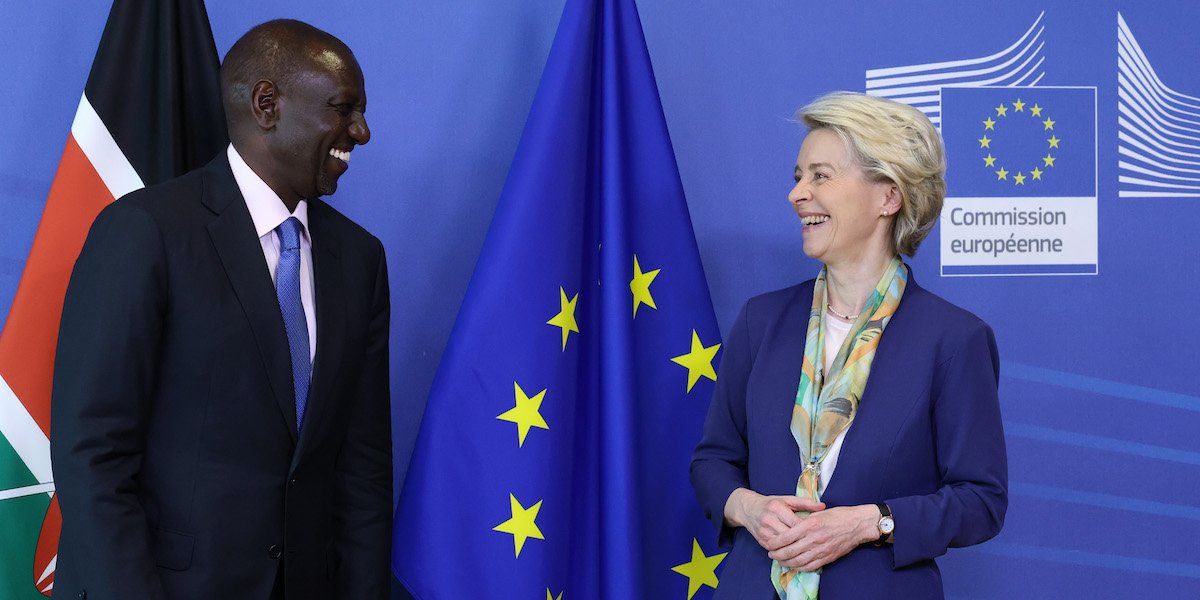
column 264, row 97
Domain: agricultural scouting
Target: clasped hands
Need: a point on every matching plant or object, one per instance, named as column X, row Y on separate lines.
column 805, row 542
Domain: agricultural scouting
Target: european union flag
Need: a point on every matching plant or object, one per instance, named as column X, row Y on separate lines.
column 553, row 456
column 1020, row 141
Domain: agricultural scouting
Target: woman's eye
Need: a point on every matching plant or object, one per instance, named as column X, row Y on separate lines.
column 819, row 176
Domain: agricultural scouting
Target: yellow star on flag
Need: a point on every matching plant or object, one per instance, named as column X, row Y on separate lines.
column 1019, row 106
column 1035, row 111
column 640, row 286
column 1049, row 160
column 1002, row 110
column 1001, row 174
column 698, row 362
column 526, row 413
column 1036, row 172
column 985, row 142
column 565, row 319
column 701, row 570
column 522, row 525
column 1049, row 124
column 1053, row 141
column 550, row 596
column 989, row 124
column 1019, row 178
column 989, row 160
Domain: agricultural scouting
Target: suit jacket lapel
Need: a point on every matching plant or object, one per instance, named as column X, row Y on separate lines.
column 232, row 233
column 330, row 307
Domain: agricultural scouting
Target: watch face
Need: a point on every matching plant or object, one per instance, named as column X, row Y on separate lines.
column 886, row 525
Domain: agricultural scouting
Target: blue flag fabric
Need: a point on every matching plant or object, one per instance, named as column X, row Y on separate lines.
column 553, row 456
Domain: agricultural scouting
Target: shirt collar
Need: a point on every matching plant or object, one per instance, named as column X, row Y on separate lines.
column 266, row 209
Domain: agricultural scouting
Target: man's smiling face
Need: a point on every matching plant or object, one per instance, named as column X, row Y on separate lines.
column 321, row 119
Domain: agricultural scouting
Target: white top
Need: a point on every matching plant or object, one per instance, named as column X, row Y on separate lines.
column 836, row 331
column 268, row 212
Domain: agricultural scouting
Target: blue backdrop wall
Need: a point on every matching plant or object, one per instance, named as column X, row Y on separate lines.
column 1099, row 392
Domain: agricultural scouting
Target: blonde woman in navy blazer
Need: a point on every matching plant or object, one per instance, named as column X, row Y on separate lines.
column 922, row 466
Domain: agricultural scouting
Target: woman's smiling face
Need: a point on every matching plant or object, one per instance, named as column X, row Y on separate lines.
column 839, row 208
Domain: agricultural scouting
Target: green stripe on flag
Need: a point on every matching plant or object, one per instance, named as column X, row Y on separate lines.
column 13, row 472
column 20, row 524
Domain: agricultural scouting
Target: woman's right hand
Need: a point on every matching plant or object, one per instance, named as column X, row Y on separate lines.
column 766, row 517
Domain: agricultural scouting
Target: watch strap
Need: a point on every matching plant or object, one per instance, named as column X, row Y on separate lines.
column 884, row 512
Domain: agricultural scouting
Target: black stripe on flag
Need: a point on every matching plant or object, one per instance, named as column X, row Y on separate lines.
column 155, row 84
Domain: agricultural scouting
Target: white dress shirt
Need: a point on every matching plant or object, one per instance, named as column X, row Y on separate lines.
column 836, row 331
column 268, row 212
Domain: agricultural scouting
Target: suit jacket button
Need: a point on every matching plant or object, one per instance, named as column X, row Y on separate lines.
column 274, row 551
column 292, row 482
column 82, row 595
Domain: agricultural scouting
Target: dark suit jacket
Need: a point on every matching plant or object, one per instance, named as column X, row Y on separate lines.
column 178, row 468
column 927, row 440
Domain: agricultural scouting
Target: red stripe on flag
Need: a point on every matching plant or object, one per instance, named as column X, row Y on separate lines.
column 47, row 547
column 30, row 335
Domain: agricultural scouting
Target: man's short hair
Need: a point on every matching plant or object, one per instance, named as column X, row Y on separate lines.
column 276, row 50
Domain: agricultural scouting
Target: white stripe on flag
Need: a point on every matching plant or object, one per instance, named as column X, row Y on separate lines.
column 49, row 570
column 24, row 434
column 102, row 151
column 28, row 490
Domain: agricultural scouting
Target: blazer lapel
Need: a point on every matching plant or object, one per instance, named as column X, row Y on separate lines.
column 330, row 306
column 232, row 233
column 782, row 354
column 886, row 402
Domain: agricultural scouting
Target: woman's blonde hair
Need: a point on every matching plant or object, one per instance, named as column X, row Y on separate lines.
column 895, row 143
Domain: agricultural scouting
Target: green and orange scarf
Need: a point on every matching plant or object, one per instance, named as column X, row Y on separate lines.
column 827, row 402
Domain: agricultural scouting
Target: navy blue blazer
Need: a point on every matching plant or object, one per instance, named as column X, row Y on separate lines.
column 927, row 440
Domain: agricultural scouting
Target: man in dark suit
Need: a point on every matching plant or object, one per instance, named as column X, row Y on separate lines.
column 220, row 408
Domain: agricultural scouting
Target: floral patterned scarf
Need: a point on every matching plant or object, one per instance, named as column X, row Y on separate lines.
column 833, row 397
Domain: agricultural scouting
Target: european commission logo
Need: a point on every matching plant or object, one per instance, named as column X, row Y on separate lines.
column 1021, row 178
column 1021, row 182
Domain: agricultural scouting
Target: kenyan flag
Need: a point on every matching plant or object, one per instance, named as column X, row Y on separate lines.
column 150, row 111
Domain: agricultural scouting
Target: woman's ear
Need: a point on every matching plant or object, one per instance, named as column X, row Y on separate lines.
column 891, row 200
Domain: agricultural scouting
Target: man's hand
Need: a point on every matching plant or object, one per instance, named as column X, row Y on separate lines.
column 767, row 517
column 825, row 536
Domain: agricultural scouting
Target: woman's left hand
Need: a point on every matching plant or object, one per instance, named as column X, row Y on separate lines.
column 825, row 536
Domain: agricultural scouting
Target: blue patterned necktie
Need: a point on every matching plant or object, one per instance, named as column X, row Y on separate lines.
column 287, row 286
